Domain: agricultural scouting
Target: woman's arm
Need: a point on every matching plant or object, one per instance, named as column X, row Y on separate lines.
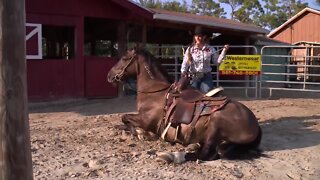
column 222, row 55
column 186, row 61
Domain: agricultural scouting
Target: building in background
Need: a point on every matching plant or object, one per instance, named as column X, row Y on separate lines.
column 303, row 29
column 71, row 45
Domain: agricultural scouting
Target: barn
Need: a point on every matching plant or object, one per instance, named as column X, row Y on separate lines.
column 302, row 30
column 72, row 44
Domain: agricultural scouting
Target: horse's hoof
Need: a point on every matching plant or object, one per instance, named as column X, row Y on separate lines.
column 179, row 157
column 193, row 147
column 145, row 136
column 169, row 157
column 121, row 127
column 165, row 158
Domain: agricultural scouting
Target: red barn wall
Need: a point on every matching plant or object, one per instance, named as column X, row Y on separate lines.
column 57, row 79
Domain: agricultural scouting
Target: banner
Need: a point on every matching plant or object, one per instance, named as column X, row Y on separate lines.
column 241, row 65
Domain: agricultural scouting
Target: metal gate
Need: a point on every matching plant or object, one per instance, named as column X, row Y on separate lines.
column 288, row 68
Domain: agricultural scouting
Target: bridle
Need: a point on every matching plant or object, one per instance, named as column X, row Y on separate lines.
column 119, row 75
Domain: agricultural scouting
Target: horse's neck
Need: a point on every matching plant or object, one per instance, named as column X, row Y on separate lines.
column 152, row 81
column 152, row 86
column 150, row 107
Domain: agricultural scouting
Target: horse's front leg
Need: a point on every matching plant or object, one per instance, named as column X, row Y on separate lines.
column 131, row 121
column 133, row 124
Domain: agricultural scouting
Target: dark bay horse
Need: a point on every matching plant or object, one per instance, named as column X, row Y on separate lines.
column 226, row 132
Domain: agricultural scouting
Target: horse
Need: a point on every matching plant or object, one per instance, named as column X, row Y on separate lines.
column 228, row 130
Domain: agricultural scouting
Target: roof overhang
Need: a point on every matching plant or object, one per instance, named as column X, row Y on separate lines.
column 212, row 23
column 135, row 7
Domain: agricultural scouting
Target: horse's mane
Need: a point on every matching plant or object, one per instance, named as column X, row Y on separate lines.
column 154, row 62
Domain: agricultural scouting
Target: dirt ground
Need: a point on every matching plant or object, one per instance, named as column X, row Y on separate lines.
column 78, row 140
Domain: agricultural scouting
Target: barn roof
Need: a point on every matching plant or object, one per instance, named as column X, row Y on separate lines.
column 208, row 21
column 190, row 19
column 302, row 12
column 135, row 7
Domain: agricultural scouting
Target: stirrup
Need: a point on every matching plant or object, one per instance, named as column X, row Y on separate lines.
column 214, row 91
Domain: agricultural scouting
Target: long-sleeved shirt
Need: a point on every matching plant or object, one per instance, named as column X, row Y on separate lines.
column 201, row 59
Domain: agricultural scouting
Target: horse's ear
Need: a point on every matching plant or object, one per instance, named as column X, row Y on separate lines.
column 139, row 46
column 131, row 52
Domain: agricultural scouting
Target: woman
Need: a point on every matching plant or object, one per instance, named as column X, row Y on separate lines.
column 197, row 60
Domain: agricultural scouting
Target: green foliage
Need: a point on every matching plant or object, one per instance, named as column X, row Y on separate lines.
column 175, row 6
column 207, row 7
column 151, row 3
column 234, row 5
column 272, row 14
column 167, row 5
column 277, row 12
column 249, row 12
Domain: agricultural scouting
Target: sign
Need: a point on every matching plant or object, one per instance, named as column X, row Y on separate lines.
column 241, row 65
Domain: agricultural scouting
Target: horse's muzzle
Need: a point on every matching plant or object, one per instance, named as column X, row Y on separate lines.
column 111, row 78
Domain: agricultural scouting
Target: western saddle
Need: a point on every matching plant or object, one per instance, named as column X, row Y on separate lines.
column 185, row 105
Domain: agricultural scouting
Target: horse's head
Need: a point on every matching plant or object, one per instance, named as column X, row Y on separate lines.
column 124, row 69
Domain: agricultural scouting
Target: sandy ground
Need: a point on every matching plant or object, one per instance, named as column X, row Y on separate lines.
column 78, row 140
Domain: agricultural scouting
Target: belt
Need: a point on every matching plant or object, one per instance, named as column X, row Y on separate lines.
column 199, row 75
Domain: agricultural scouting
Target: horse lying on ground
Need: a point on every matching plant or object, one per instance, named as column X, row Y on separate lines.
column 224, row 128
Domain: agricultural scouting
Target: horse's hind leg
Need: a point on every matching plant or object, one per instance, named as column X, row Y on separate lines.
column 229, row 150
column 208, row 149
column 226, row 150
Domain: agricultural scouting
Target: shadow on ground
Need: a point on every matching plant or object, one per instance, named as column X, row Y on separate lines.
column 290, row 133
column 87, row 107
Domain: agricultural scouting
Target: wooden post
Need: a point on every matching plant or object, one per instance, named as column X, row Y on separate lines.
column 144, row 35
column 15, row 156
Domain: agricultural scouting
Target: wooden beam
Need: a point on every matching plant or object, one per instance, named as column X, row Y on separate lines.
column 15, row 156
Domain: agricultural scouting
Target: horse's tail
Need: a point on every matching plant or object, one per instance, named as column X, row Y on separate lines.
column 241, row 151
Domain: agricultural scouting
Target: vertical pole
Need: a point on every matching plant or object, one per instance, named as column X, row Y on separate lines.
column 15, row 155
column 122, row 46
column 144, row 35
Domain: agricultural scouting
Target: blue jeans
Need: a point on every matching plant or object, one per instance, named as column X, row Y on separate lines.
column 204, row 84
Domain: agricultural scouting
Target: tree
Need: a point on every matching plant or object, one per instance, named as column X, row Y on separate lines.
column 167, row 5
column 207, row 7
column 249, row 12
column 269, row 19
column 175, row 6
column 277, row 12
column 156, row 4
column 234, row 4
column 287, row 9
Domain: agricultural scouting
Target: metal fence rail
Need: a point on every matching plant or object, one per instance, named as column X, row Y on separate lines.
column 296, row 68
column 287, row 68
column 172, row 56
